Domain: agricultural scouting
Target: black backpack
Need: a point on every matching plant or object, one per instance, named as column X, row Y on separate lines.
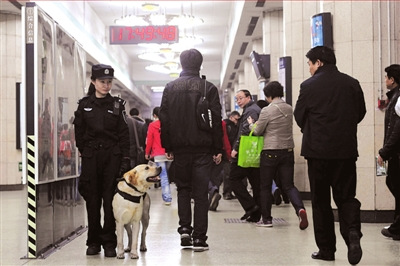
column 203, row 116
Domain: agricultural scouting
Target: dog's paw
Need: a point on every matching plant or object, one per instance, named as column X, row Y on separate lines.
column 121, row 256
column 134, row 256
column 127, row 250
column 144, row 248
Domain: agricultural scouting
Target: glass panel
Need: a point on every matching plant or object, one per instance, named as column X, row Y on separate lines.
column 45, row 97
column 66, row 99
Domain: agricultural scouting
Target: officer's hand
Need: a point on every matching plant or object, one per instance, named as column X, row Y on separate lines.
column 125, row 166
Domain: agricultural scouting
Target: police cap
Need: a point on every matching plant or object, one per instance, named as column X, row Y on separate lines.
column 101, row 71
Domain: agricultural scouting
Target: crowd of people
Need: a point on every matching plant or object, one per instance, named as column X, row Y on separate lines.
column 199, row 161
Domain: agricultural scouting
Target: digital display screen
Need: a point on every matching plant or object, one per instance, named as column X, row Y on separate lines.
column 143, row 34
column 321, row 30
column 317, row 31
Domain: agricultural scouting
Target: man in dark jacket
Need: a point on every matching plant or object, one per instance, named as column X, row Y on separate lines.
column 328, row 110
column 391, row 146
column 231, row 130
column 137, row 125
column 237, row 173
column 193, row 150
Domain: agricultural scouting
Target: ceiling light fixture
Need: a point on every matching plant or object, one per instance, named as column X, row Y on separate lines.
column 150, row 7
column 163, row 69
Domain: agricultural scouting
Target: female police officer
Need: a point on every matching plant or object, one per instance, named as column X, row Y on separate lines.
column 102, row 137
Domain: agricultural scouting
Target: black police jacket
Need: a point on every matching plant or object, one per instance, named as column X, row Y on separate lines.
column 179, row 129
column 101, row 122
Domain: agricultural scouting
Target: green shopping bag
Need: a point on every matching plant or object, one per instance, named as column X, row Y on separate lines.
column 250, row 148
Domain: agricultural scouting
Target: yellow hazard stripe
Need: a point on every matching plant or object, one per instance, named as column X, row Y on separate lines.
column 31, row 196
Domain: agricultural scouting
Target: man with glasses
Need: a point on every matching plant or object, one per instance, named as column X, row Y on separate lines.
column 249, row 203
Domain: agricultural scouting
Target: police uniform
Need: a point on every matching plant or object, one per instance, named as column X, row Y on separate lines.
column 102, row 138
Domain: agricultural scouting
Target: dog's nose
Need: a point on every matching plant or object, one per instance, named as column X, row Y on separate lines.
column 159, row 168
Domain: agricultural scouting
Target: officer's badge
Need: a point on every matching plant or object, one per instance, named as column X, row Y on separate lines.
column 106, row 71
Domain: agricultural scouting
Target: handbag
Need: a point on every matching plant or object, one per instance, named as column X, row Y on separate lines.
column 203, row 113
column 250, row 148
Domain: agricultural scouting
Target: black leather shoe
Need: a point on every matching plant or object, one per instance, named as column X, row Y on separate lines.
column 354, row 252
column 250, row 212
column 323, row 256
column 229, row 196
column 93, row 250
column 110, row 252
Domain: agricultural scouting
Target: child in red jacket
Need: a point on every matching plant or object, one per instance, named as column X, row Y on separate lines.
column 156, row 151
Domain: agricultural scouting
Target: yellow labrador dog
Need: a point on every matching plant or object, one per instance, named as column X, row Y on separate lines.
column 131, row 205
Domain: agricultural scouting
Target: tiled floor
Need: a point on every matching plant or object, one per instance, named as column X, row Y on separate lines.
column 231, row 242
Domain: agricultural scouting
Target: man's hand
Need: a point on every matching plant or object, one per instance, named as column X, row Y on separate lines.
column 217, row 158
column 125, row 166
column 234, row 153
column 170, row 155
column 380, row 160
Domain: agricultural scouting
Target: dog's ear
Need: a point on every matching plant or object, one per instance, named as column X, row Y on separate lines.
column 133, row 177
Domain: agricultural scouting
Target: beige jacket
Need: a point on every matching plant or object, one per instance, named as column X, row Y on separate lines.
column 276, row 124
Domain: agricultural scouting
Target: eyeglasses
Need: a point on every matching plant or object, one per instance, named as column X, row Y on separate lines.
column 240, row 98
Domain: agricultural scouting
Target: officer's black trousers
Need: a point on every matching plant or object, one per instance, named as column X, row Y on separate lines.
column 100, row 167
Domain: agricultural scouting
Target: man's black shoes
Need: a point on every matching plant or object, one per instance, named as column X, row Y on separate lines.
column 323, row 255
column 200, row 245
column 186, row 240
column 385, row 231
column 249, row 213
column 229, row 196
column 354, row 252
column 214, row 201
column 277, row 197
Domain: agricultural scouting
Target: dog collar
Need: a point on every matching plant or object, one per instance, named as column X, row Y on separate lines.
column 129, row 197
column 129, row 185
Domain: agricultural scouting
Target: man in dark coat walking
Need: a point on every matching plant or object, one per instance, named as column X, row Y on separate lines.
column 328, row 110
column 194, row 150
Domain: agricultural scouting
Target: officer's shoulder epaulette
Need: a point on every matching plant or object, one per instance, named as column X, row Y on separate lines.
column 82, row 99
column 120, row 100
